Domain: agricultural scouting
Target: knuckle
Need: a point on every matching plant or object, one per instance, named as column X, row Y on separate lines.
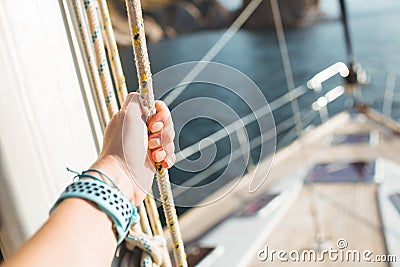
column 167, row 139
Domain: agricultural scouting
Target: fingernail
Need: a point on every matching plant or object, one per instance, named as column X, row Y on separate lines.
column 169, row 162
column 153, row 143
column 157, row 126
column 160, row 155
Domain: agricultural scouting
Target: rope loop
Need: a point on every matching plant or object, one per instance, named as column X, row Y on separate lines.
column 153, row 246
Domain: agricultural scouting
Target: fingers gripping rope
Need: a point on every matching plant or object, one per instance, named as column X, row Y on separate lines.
column 147, row 102
column 120, row 85
column 101, row 79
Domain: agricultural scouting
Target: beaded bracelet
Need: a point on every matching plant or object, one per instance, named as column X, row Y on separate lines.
column 110, row 200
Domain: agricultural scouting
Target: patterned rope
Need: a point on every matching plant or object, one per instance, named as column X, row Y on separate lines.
column 119, row 79
column 156, row 225
column 120, row 84
column 146, row 258
column 154, row 216
column 171, row 217
column 141, row 57
column 101, row 59
column 147, row 101
column 145, row 223
column 100, row 75
column 97, row 89
column 112, row 49
column 153, row 246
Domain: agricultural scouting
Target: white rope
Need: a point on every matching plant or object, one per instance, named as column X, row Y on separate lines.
column 101, row 80
column 101, row 59
column 94, row 78
column 113, row 54
column 153, row 246
column 147, row 101
column 120, row 85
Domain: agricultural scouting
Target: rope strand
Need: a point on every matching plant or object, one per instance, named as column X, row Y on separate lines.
column 100, row 76
column 120, row 85
column 97, row 89
column 101, row 59
column 141, row 57
column 147, row 101
column 113, row 54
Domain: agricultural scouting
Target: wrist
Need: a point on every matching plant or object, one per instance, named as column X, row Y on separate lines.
column 75, row 206
column 112, row 166
column 107, row 198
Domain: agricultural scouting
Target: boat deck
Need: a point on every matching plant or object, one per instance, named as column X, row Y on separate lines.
column 342, row 211
column 320, row 211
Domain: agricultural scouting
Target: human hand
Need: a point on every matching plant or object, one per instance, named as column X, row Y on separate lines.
column 129, row 154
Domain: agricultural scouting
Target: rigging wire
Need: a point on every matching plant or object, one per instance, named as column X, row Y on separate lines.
column 389, row 94
column 255, row 142
column 286, row 64
column 295, row 108
column 345, row 23
column 221, row 163
column 245, row 120
column 231, row 128
column 214, row 50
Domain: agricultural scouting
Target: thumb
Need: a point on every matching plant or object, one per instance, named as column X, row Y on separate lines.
column 128, row 100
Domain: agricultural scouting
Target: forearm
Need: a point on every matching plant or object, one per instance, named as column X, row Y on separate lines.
column 77, row 234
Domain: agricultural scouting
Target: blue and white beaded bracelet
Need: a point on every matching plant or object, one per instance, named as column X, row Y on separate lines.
column 108, row 199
